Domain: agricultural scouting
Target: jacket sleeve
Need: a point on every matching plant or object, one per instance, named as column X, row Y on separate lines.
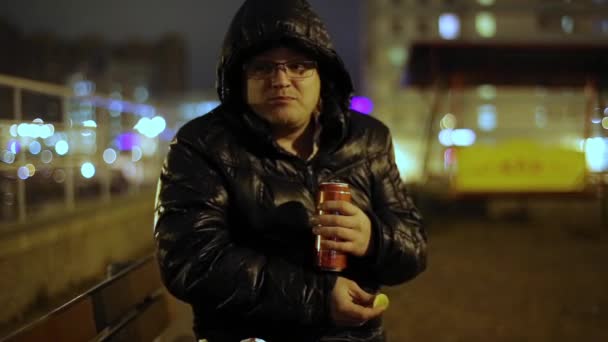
column 202, row 265
column 398, row 236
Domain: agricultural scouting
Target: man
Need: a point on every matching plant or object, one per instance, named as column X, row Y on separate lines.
column 236, row 201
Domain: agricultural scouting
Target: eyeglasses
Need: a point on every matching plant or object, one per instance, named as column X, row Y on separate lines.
column 293, row 69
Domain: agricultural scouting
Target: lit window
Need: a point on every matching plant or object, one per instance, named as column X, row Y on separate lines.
column 485, row 24
column 397, row 55
column 567, row 24
column 486, row 117
column 486, row 92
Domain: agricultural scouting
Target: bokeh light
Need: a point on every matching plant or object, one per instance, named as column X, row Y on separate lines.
column 448, row 121
column 35, row 147
column 87, row 170
column 31, row 169
column 449, row 26
column 62, row 147
column 136, row 154
column 8, row 157
column 46, row 156
column 485, row 24
column 23, row 173
column 362, row 104
column 109, row 156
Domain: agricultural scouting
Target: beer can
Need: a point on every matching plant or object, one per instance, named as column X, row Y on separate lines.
column 329, row 259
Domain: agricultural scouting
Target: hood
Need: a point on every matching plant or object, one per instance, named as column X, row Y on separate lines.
column 260, row 24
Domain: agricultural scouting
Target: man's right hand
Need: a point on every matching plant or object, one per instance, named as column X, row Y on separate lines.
column 350, row 305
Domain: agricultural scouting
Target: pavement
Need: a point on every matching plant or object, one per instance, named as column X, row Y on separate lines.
column 496, row 281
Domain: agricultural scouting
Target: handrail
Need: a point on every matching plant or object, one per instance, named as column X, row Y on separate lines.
column 65, row 94
column 44, row 88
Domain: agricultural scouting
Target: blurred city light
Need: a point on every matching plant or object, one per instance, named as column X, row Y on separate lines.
column 31, row 169
column 46, row 156
column 449, row 26
column 449, row 157
column 486, row 117
column 13, row 130
column 136, row 154
column 35, row 130
column 486, row 92
column 109, row 156
column 115, row 107
column 35, row 147
column 596, row 154
column 151, row 127
column 126, row 141
column 8, row 157
column 448, row 121
column 141, row 94
column 362, row 104
column 567, row 24
column 14, row 146
column 87, row 170
column 445, row 137
column 149, row 146
column 485, row 24
column 397, row 55
column 406, row 163
column 457, row 137
column 89, row 123
column 463, row 137
column 62, row 147
column 486, row 2
column 83, row 88
column 23, row 173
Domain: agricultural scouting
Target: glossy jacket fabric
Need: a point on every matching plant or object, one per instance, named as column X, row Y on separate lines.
column 233, row 208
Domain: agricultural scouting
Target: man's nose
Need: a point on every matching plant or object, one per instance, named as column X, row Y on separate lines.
column 279, row 77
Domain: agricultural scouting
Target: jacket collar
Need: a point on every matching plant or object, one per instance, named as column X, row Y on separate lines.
column 258, row 133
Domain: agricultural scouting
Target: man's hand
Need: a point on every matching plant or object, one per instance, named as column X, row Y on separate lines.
column 351, row 227
column 350, row 305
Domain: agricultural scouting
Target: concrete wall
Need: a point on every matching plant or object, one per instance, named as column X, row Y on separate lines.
column 49, row 258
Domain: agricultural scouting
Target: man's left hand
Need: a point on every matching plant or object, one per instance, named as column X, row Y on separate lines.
column 346, row 222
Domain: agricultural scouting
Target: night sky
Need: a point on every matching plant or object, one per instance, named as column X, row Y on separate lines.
column 201, row 22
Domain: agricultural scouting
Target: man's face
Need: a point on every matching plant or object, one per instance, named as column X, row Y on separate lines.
column 284, row 94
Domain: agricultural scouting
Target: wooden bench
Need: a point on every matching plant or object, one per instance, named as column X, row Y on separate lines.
column 129, row 306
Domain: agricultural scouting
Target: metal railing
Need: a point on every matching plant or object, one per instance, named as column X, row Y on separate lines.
column 51, row 166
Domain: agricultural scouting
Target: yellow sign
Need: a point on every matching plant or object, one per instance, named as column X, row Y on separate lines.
column 522, row 166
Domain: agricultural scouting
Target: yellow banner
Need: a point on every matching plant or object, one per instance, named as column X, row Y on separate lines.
column 522, row 166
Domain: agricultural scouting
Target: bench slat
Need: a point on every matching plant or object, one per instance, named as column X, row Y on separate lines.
column 124, row 291
column 145, row 324
column 130, row 306
column 72, row 322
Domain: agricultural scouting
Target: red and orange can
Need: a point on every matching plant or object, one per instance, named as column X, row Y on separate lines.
column 329, row 259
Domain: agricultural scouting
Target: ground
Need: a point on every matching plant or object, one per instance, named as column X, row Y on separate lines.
column 506, row 281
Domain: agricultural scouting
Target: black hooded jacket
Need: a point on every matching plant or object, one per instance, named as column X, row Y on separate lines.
column 232, row 215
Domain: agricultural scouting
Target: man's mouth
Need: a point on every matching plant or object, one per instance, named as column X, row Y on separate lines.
column 281, row 99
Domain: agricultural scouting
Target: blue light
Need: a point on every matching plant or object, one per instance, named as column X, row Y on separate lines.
column 14, row 146
column 449, row 26
column 362, row 104
column 35, row 147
